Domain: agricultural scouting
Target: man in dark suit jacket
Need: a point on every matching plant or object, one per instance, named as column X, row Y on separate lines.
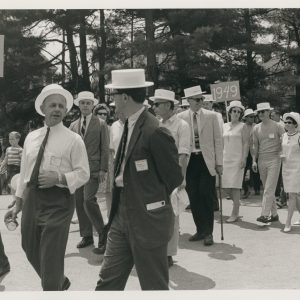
column 146, row 172
column 96, row 139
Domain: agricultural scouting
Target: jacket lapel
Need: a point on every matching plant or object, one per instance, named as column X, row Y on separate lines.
column 90, row 126
column 202, row 117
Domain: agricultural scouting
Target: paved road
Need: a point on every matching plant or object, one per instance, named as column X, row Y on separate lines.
column 249, row 257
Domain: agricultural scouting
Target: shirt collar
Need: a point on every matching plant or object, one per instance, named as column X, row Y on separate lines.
column 88, row 117
column 55, row 127
column 171, row 119
column 133, row 118
column 198, row 112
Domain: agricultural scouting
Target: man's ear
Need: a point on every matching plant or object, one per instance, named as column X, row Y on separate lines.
column 42, row 107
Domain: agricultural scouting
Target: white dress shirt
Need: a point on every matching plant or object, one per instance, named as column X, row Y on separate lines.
column 115, row 135
column 65, row 153
column 131, row 122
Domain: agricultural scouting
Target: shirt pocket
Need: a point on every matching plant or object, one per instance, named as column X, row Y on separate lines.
column 52, row 161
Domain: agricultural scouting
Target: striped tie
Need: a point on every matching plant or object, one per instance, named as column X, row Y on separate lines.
column 83, row 127
column 196, row 131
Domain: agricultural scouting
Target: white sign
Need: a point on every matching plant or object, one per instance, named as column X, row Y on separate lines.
column 225, row 91
column 1, row 54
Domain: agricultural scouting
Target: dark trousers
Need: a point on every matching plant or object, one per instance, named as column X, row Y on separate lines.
column 122, row 252
column 87, row 208
column 3, row 257
column 46, row 218
column 11, row 171
column 200, row 186
column 254, row 177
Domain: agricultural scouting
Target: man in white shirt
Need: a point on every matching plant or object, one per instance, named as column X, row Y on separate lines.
column 54, row 164
column 164, row 105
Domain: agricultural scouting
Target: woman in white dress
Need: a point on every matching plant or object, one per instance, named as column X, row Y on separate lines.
column 236, row 147
column 291, row 164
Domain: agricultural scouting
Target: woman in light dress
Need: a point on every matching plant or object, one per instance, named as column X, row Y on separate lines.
column 291, row 164
column 236, row 147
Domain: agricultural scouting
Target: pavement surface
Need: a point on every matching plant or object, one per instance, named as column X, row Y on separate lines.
column 250, row 256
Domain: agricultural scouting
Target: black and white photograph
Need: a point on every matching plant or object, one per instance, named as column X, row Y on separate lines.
column 150, row 147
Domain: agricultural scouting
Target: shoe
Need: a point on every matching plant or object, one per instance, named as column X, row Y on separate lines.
column 274, row 218
column 263, row 219
column 99, row 250
column 227, row 197
column 66, row 284
column 246, row 195
column 208, row 240
column 196, row 237
column 279, row 204
column 4, row 269
column 287, row 229
column 170, row 261
column 86, row 241
column 231, row 220
column 297, row 223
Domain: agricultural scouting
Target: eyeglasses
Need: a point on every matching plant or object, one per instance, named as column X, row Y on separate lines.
column 261, row 111
column 102, row 114
column 288, row 122
column 236, row 111
column 156, row 104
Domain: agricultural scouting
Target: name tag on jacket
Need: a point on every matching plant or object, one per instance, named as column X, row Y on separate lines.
column 141, row 165
column 155, row 205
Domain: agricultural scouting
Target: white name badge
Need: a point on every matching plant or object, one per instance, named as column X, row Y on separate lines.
column 55, row 161
column 271, row 136
column 155, row 205
column 141, row 165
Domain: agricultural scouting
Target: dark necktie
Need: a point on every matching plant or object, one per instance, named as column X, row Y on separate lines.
column 123, row 147
column 196, row 131
column 83, row 127
column 36, row 168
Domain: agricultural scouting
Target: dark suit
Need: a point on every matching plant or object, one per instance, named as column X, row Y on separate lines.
column 139, row 233
column 96, row 140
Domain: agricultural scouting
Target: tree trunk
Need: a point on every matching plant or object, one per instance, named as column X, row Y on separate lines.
column 102, row 53
column 63, row 58
column 151, row 70
column 85, row 84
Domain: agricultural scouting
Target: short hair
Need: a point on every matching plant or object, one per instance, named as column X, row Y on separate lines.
column 101, row 106
column 16, row 134
column 276, row 112
column 138, row 94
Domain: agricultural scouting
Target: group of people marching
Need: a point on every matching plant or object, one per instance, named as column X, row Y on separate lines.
column 154, row 157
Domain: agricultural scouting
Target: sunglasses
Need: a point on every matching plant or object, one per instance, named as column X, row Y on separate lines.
column 261, row 111
column 289, row 122
column 102, row 114
column 236, row 111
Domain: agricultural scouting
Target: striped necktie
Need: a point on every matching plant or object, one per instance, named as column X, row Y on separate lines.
column 196, row 131
column 36, row 169
column 123, row 147
column 83, row 127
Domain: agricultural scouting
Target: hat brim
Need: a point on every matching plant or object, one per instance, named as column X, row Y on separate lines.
column 229, row 107
column 247, row 115
column 269, row 109
column 289, row 115
column 123, row 87
column 156, row 99
column 192, row 95
column 76, row 101
column 42, row 96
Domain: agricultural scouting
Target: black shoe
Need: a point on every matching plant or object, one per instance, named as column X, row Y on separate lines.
column 208, row 240
column 196, row 237
column 263, row 219
column 66, row 284
column 4, row 269
column 100, row 250
column 274, row 218
column 170, row 261
column 86, row 241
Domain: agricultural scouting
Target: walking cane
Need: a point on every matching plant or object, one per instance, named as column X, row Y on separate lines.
column 221, row 207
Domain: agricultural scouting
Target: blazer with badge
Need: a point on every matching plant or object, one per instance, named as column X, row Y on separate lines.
column 151, row 173
column 210, row 136
column 96, row 140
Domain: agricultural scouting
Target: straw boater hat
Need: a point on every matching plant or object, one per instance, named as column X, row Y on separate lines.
column 161, row 95
column 184, row 102
column 295, row 116
column 263, row 106
column 85, row 96
column 248, row 112
column 128, row 79
column 53, row 89
column 193, row 91
column 235, row 103
column 208, row 98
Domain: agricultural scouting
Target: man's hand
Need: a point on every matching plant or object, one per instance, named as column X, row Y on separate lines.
column 13, row 213
column 47, row 179
column 254, row 167
column 102, row 176
column 219, row 169
column 183, row 185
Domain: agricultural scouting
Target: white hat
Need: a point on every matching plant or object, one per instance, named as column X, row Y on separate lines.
column 85, row 95
column 192, row 91
column 112, row 104
column 184, row 102
column 208, row 98
column 263, row 106
column 294, row 115
column 146, row 103
column 235, row 103
column 248, row 112
column 52, row 89
column 161, row 94
column 128, row 79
